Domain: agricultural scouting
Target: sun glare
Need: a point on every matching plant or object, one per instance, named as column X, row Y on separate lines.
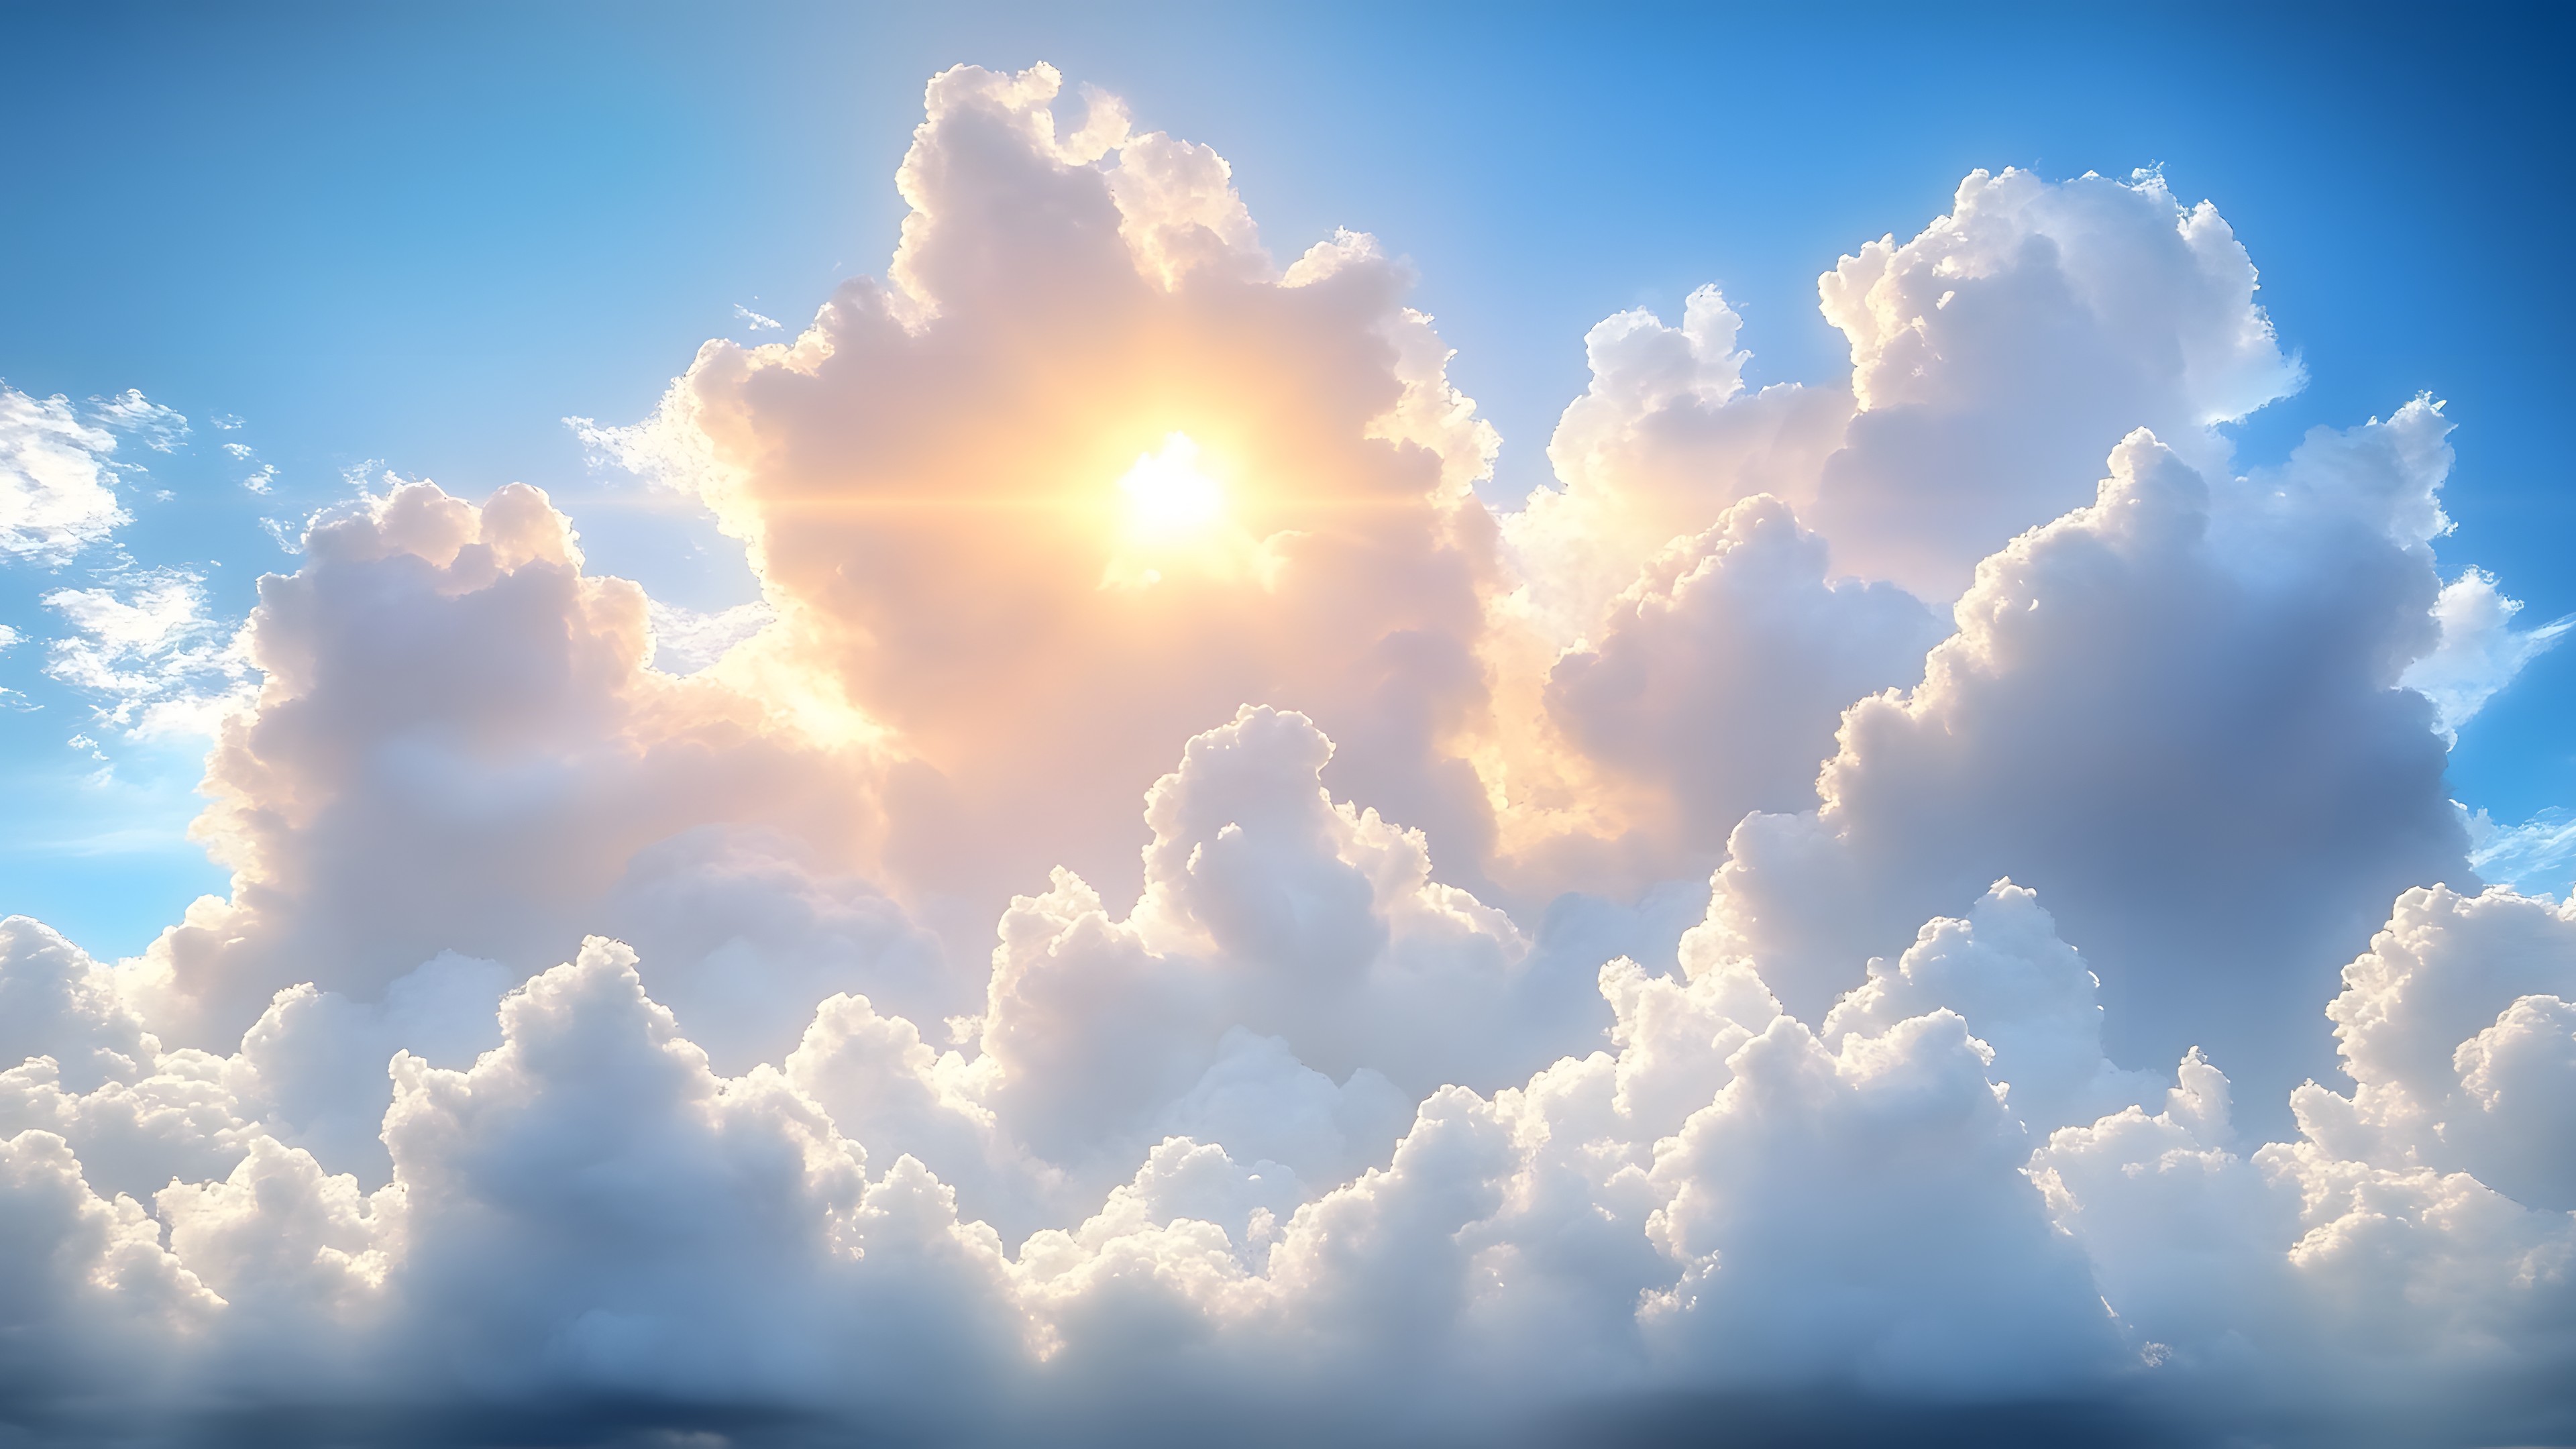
column 1168, row 499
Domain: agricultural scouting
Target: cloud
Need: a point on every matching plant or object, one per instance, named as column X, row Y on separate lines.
column 1661, row 442
column 2480, row 652
column 161, row 429
column 1726, row 1202
column 441, row 684
column 1720, row 672
column 145, row 648
column 57, row 495
column 1103, row 290
column 1996, row 356
column 686, row 641
column 1169, row 920
column 2002, row 350
column 2187, row 692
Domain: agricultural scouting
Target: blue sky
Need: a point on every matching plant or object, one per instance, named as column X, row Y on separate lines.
column 415, row 238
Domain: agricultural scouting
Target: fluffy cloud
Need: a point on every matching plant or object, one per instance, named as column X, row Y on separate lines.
column 928, row 478
column 457, row 746
column 1996, row 355
column 1291, row 981
column 2480, row 652
column 1721, row 1202
column 2177, row 713
column 1087, row 956
column 1720, row 672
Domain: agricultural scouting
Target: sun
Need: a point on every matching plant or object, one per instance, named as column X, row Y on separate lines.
column 1169, row 500
column 1175, row 518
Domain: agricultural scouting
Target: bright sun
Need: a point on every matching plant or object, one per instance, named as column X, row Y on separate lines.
column 1168, row 499
column 1174, row 515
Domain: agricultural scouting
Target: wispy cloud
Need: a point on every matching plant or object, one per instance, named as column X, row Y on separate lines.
column 148, row 655
column 56, row 488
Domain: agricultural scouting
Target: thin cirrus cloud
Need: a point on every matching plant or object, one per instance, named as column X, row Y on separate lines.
column 1160, row 924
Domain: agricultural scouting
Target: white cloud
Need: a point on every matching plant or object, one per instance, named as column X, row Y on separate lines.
column 756, row 321
column 2480, row 652
column 146, row 650
column 2185, row 692
column 686, row 641
column 1977, row 417
column 456, row 745
column 57, row 493
column 263, row 478
column 161, row 429
column 1720, row 673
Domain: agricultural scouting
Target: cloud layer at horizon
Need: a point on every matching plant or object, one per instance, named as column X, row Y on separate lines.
column 1853, row 899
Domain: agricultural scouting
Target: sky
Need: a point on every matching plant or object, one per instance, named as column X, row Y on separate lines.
column 1392, row 722
column 421, row 240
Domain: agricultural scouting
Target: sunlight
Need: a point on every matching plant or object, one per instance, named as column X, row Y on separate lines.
column 1169, row 500
column 1174, row 515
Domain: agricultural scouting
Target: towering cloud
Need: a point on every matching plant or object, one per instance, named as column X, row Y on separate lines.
column 1165, row 921
column 2178, row 713
column 1088, row 471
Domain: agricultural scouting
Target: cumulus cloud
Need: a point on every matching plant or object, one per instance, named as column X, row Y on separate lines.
column 1721, row 670
column 456, row 745
column 2178, row 714
column 1168, row 916
column 1997, row 354
column 1102, row 291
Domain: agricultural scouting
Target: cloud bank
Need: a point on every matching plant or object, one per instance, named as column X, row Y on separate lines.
column 1918, row 905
